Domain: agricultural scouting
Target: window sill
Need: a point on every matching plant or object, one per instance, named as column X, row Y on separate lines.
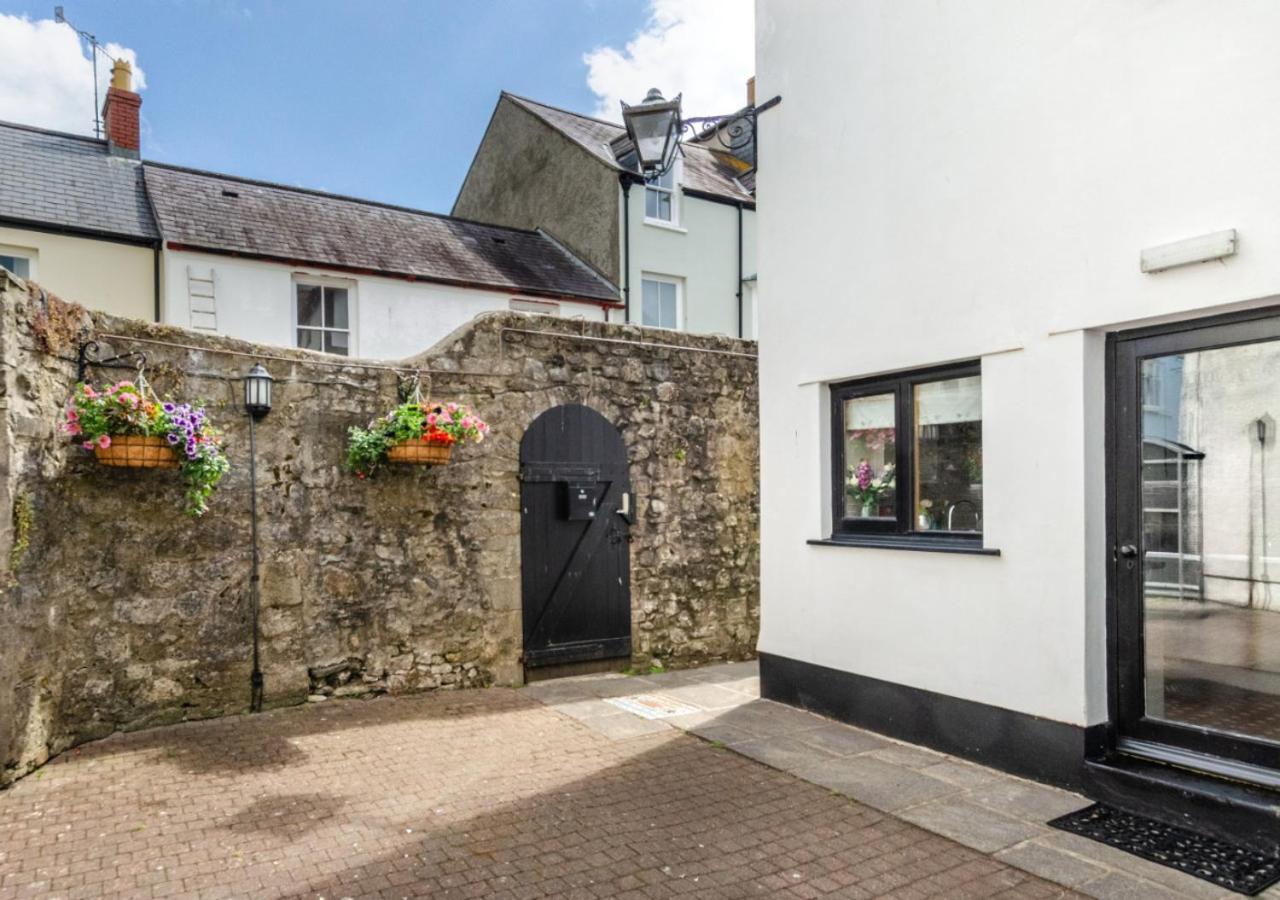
column 665, row 226
column 907, row 542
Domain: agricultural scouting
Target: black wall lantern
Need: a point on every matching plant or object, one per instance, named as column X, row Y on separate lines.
column 257, row 391
column 257, row 403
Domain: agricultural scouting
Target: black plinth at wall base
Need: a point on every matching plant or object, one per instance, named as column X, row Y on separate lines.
column 1026, row 745
column 1226, row 865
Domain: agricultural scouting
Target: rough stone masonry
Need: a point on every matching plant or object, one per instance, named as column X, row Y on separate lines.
column 119, row 612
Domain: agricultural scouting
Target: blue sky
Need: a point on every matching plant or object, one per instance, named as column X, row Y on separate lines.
column 386, row 100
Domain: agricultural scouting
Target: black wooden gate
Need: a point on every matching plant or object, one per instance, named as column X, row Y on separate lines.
column 575, row 498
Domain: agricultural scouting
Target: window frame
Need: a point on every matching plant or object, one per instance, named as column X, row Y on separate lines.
column 673, row 192
column 679, row 286
column 323, row 282
column 30, row 255
column 900, row 531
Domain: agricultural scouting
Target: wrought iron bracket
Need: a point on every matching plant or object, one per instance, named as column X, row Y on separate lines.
column 732, row 133
column 87, row 355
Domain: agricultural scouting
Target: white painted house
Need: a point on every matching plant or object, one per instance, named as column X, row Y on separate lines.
column 302, row 268
column 681, row 248
column 264, row 262
column 1043, row 294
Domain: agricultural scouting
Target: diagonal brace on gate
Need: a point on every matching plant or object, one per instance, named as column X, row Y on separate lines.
column 571, row 576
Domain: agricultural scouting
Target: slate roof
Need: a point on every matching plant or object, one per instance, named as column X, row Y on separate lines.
column 705, row 170
column 68, row 181
column 236, row 215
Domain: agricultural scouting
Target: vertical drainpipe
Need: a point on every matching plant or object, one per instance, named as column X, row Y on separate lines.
column 741, row 332
column 625, row 178
column 156, row 280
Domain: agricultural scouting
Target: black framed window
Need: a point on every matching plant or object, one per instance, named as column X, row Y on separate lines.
column 907, row 458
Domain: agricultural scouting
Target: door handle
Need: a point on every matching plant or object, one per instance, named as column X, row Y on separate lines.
column 1128, row 551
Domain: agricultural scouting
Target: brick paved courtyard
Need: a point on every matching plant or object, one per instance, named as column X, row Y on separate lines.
column 485, row 793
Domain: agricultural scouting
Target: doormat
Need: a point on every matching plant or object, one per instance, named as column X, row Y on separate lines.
column 652, row 706
column 1226, row 865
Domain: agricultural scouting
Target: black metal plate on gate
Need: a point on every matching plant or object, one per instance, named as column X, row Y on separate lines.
column 1226, row 865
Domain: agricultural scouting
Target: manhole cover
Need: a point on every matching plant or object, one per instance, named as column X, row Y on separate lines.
column 652, row 706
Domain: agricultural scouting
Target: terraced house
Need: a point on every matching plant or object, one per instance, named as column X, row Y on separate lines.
column 681, row 247
column 90, row 220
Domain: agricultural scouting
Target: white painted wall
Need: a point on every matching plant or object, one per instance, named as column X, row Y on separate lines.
column 393, row 318
column 105, row 275
column 702, row 250
column 951, row 181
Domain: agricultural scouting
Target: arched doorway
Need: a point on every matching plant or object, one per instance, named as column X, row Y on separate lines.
column 576, row 514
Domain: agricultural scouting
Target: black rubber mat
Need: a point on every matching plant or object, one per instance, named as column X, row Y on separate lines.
column 1226, row 865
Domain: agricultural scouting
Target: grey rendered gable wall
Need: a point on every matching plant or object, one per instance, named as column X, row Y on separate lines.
column 527, row 174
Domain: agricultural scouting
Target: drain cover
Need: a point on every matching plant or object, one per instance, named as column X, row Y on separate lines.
column 1226, row 865
column 652, row 706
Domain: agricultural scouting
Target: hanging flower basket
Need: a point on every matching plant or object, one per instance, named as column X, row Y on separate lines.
column 420, row 453
column 125, row 426
column 131, row 451
column 416, row 433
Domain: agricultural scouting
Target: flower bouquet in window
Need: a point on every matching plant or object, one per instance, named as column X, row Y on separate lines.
column 865, row 488
column 416, row 433
column 125, row 428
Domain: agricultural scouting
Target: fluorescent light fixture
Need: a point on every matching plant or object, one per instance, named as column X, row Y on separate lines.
column 1193, row 250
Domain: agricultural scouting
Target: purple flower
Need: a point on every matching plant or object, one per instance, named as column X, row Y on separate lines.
column 168, row 407
column 171, row 438
column 864, row 474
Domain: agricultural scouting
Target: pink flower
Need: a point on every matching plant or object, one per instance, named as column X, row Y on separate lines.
column 89, row 391
column 73, row 416
column 73, row 429
column 452, row 408
column 88, row 445
column 467, row 422
column 104, row 441
column 432, row 418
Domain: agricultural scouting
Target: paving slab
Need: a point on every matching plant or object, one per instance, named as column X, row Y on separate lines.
column 841, row 740
column 875, row 782
column 971, row 824
column 1049, row 862
column 1027, row 799
column 708, row 696
column 1121, row 886
column 1132, row 866
column 620, row 726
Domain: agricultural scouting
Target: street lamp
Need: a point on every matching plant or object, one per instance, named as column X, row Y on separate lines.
column 257, row 403
column 654, row 129
column 657, row 126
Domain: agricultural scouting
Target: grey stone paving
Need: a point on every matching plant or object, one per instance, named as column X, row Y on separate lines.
column 979, row 807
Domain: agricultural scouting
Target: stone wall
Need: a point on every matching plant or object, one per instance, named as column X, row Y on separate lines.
column 119, row 612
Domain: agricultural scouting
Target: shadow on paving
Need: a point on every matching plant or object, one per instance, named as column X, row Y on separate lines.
column 484, row 793
column 267, row 741
column 665, row 815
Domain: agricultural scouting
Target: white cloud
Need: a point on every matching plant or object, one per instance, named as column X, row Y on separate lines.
column 46, row 78
column 704, row 49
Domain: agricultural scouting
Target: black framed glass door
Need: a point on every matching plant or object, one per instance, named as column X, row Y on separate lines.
column 1194, row 505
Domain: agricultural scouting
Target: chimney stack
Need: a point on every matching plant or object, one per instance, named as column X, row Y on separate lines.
column 751, row 91
column 120, row 112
